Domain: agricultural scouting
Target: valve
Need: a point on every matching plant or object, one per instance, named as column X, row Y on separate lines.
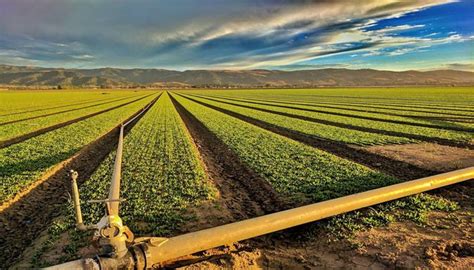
column 113, row 237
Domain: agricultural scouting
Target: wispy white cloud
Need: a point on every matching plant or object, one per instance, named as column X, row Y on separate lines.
column 206, row 33
column 403, row 27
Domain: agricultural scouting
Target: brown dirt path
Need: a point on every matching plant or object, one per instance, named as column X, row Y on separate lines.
column 242, row 193
column 399, row 169
column 439, row 158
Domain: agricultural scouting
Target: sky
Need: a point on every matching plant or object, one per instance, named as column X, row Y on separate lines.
column 243, row 34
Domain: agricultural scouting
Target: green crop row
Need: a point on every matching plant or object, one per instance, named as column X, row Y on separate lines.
column 23, row 163
column 438, row 96
column 19, row 102
column 62, row 107
column 162, row 174
column 38, row 110
column 12, row 130
column 440, row 119
column 292, row 168
column 312, row 129
column 445, row 100
column 343, row 112
column 356, row 107
column 461, row 136
column 303, row 173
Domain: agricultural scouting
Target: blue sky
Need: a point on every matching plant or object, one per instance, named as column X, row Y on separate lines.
column 244, row 34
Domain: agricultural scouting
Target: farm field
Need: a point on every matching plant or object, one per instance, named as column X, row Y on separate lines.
column 200, row 158
column 12, row 129
column 24, row 162
column 405, row 127
column 300, row 125
column 18, row 102
column 161, row 160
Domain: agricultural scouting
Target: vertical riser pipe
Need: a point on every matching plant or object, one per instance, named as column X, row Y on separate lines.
column 76, row 199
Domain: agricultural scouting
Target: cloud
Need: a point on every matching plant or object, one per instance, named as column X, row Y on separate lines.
column 395, row 46
column 403, row 27
column 202, row 34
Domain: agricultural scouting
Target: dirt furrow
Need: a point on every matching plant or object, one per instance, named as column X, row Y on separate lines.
column 55, row 113
column 390, row 166
column 358, row 116
column 243, row 193
column 25, row 217
column 38, row 132
column 353, row 127
column 448, row 117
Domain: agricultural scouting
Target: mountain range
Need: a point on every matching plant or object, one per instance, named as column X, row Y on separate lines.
column 37, row 77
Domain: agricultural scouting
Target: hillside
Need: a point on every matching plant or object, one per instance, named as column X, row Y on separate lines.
column 114, row 77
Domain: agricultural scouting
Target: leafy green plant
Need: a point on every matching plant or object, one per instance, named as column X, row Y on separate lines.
column 311, row 129
column 23, row 163
column 46, row 118
column 350, row 118
column 292, row 168
column 162, row 174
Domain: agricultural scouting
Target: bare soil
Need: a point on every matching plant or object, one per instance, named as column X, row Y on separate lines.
column 446, row 242
column 399, row 169
column 27, row 215
column 429, row 156
column 242, row 193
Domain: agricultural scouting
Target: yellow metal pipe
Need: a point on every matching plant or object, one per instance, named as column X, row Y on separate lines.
column 156, row 252
column 114, row 192
column 76, row 199
column 190, row 243
column 83, row 264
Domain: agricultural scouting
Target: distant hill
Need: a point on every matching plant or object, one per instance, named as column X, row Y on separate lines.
column 21, row 76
